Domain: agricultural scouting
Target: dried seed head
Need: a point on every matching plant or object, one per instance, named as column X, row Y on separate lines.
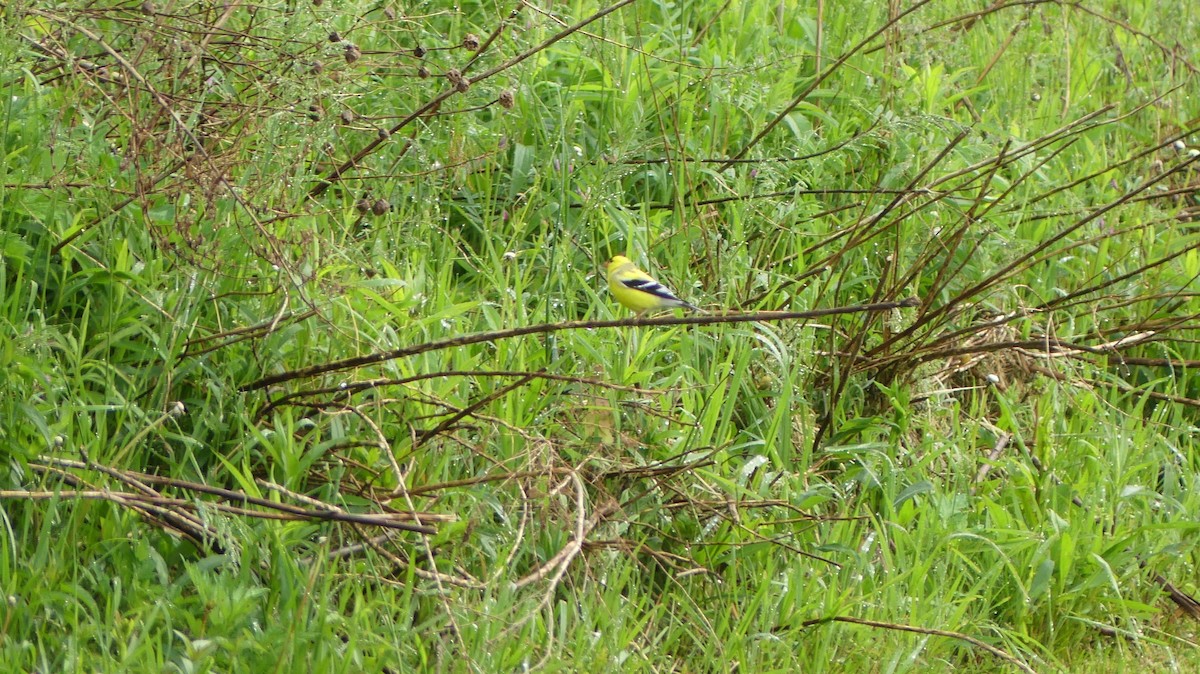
column 462, row 85
column 347, row 116
column 380, row 207
column 389, row 13
column 318, row 3
column 353, row 53
column 454, row 76
column 471, row 42
column 384, row 134
column 148, row 7
column 423, row 72
column 363, row 205
column 419, row 52
column 508, row 98
column 334, row 37
column 316, row 67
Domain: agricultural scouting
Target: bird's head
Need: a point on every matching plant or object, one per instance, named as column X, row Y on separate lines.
column 617, row 261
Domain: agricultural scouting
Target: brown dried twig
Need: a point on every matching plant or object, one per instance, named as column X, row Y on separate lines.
column 262, row 508
column 544, row 328
column 925, row 630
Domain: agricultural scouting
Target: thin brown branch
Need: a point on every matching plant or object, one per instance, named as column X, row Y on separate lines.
column 925, row 630
column 436, row 102
column 389, row 520
column 544, row 328
column 817, row 81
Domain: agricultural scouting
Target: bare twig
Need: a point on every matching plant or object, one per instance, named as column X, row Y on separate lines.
column 544, row 328
column 926, row 630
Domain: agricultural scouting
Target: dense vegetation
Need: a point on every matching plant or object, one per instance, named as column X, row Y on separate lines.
column 307, row 364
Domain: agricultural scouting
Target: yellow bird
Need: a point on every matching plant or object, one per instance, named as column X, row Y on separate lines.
column 637, row 290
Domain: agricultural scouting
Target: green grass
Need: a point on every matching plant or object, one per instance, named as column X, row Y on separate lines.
column 192, row 202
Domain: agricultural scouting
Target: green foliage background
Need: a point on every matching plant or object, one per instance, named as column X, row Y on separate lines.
column 196, row 196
